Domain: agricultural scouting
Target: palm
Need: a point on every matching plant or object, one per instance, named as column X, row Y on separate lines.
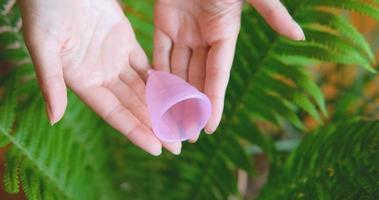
column 101, row 61
column 98, row 59
column 196, row 23
column 195, row 39
column 105, row 76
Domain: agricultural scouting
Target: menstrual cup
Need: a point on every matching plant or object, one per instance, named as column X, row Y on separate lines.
column 177, row 110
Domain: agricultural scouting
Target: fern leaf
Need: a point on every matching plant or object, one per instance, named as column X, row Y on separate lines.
column 30, row 184
column 247, row 130
column 88, row 161
column 369, row 7
column 7, row 110
column 323, row 53
column 321, row 164
column 11, row 176
column 339, row 24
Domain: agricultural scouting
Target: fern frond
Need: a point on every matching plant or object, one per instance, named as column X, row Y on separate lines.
column 7, row 109
column 11, row 173
column 75, row 174
column 87, row 161
column 366, row 7
column 338, row 25
column 322, row 164
column 324, row 53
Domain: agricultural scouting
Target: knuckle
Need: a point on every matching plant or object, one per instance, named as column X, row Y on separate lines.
column 117, row 109
column 132, row 130
column 216, row 72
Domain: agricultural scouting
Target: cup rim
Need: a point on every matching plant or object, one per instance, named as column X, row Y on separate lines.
column 199, row 95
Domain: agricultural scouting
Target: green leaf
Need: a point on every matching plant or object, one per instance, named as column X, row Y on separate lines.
column 339, row 24
column 322, row 163
column 365, row 7
column 83, row 158
column 11, row 175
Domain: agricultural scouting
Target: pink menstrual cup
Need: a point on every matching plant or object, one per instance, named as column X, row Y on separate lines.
column 178, row 111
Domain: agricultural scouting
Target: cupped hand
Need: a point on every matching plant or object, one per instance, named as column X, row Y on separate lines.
column 195, row 39
column 89, row 46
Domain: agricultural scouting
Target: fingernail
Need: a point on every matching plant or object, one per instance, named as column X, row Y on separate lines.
column 299, row 34
column 175, row 148
column 208, row 131
column 176, row 151
column 156, row 152
column 50, row 114
column 192, row 140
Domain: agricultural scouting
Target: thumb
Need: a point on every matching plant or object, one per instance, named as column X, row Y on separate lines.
column 277, row 16
column 45, row 55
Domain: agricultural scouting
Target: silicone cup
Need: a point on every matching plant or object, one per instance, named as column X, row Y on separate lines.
column 177, row 110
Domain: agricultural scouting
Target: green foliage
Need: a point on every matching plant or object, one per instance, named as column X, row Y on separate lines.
column 335, row 162
column 82, row 158
column 59, row 163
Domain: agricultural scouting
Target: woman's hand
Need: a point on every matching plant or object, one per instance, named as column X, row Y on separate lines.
column 89, row 45
column 196, row 40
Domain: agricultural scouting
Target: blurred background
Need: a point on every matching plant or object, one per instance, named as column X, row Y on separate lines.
column 344, row 88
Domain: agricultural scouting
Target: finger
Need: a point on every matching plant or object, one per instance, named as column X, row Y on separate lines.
column 194, row 139
column 180, row 58
column 196, row 70
column 134, row 81
column 45, row 55
column 130, row 101
column 173, row 147
column 162, row 51
column 105, row 104
column 139, row 61
column 277, row 16
column 219, row 62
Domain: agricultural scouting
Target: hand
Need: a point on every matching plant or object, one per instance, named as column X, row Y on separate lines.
column 90, row 46
column 195, row 39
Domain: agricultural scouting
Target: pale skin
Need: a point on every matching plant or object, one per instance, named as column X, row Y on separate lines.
column 195, row 39
column 89, row 46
